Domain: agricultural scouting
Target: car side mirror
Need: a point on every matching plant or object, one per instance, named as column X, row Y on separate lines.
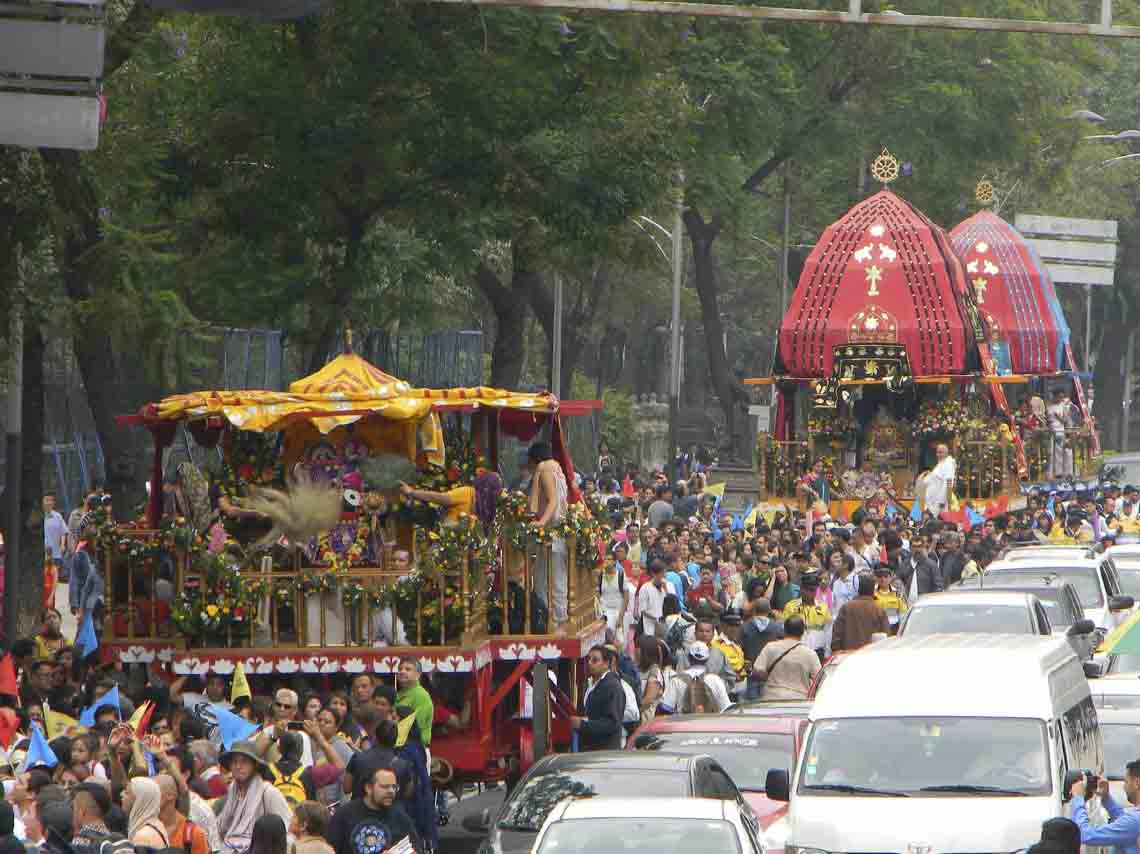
column 477, row 822
column 1093, row 669
column 777, row 786
column 1121, row 603
column 1081, row 627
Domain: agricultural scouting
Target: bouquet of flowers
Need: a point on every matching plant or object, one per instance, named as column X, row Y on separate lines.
column 215, row 599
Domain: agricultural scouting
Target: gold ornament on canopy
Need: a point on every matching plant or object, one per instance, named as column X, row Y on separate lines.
column 985, row 193
column 885, row 168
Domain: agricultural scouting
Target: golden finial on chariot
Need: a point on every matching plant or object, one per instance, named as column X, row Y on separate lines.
column 885, row 168
column 985, row 193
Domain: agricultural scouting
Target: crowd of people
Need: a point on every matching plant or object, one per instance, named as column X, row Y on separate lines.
column 100, row 759
column 706, row 608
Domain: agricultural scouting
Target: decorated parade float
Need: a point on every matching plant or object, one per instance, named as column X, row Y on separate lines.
column 900, row 337
column 304, row 554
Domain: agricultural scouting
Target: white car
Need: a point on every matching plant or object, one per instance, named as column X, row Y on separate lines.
column 1049, row 552
column 1116, row 691
column 985, row 611
column 1095, row 579
column 1120, row 729
column 1125, row 550
column 644, row 825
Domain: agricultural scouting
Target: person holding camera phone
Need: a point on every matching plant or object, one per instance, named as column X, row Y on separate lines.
column 1123, row 826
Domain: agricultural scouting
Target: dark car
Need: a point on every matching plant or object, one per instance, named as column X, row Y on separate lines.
column 605, row 773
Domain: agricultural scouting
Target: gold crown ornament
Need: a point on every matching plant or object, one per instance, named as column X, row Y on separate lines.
column 985, row 193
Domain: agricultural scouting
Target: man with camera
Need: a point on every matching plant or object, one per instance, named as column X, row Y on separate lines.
column 1123, row 826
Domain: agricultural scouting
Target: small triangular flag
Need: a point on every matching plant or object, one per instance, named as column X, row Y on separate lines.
column 404, row 729
column 916, row 509
column 86, row 642
column 58, row 724
column 8, row 684
column 39, row 751
column 231, row 727
column 140, row 720
column 627, row 490
column 240, row 688
column 111, row 698
column 716, row 490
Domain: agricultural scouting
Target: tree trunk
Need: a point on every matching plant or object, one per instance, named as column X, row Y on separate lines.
column 509, row 350
column 30, row 584
column 1108, row 377
column 701, row 237
column 109, row 391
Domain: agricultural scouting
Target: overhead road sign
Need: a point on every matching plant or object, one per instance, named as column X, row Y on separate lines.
column 49, row 121
column 274, row 9
column 853, row 17
column 1075, row 251
column 51, row 48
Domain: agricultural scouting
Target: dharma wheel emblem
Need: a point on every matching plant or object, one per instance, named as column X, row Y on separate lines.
column 985, row 193
column 885, row 168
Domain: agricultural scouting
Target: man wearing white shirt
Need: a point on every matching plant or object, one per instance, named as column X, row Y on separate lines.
column 651, row 599
column 674, row 696
column 940, row 482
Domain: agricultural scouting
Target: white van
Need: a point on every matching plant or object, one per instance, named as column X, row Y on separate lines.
column 941, row 743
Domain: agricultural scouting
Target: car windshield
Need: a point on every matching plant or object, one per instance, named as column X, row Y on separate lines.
column 1083, row 578
column 964, row 617
column 745, row 756
column 1121, row 472
column 637, row 835
column 1129, row 579
column 926, row 757
column 529, row 805
column 1121, row 746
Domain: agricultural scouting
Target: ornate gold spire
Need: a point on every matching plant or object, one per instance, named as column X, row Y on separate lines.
column 885, row 168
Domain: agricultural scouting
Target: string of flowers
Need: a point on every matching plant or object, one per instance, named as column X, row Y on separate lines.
column 832, row 426
column 336, row 562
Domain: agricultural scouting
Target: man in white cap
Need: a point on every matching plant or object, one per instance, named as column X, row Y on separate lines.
column 682, row 693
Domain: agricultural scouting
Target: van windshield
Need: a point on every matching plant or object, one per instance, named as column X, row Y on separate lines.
column 926, row 757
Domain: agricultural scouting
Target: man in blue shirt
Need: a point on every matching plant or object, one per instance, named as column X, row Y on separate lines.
column 1123, row 826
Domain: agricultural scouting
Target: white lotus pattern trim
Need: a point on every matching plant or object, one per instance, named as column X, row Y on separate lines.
column 517, row 652
column 288, row 665
column 550, row 650
column 224, row 666
column 354, row 665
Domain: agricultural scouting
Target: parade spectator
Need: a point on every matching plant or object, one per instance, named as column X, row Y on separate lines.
column 599, row 727
column 860, row 619
column 787, row 666
column 248, row 797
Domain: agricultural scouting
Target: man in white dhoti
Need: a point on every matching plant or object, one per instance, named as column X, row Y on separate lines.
column 1060, row 418
column 940, row 481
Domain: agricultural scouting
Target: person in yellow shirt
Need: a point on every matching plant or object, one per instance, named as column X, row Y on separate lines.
column 887, row 598
column 455, row 502
column 814, row 612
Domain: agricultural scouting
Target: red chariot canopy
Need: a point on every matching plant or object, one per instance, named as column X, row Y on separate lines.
column 884, row 275
column 1013, row 292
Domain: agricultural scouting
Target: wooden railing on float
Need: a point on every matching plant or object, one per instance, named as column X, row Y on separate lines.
column 1039, row 450
column 780, row 464
column 310, row 619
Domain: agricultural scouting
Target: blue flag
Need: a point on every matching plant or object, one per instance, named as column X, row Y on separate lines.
column 1049, row 507
column 85, row 640
column 916, row 509
column 111, row 698
column 891, row 511
column 39, row 751
column 231, row 727
column 974, row 516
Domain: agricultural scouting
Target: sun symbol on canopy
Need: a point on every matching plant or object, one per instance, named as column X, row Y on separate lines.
column 885, row 168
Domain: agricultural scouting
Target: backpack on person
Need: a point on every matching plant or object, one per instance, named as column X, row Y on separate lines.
column 697, row 698
column 733, row 656
column 290, row 786
column 675, row 635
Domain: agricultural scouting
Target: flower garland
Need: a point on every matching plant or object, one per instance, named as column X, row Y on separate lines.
column 217, row 599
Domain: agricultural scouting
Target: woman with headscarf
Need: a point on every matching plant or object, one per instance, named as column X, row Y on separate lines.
column 141, row 802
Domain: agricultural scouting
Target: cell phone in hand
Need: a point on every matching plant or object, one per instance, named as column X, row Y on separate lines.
column 295, row 725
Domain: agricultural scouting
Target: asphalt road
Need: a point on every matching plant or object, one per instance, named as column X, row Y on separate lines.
column 453, row 839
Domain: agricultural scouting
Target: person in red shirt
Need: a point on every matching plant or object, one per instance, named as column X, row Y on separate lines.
column 704, row 596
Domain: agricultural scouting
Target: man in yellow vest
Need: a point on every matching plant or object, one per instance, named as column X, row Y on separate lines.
column 888, row 598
